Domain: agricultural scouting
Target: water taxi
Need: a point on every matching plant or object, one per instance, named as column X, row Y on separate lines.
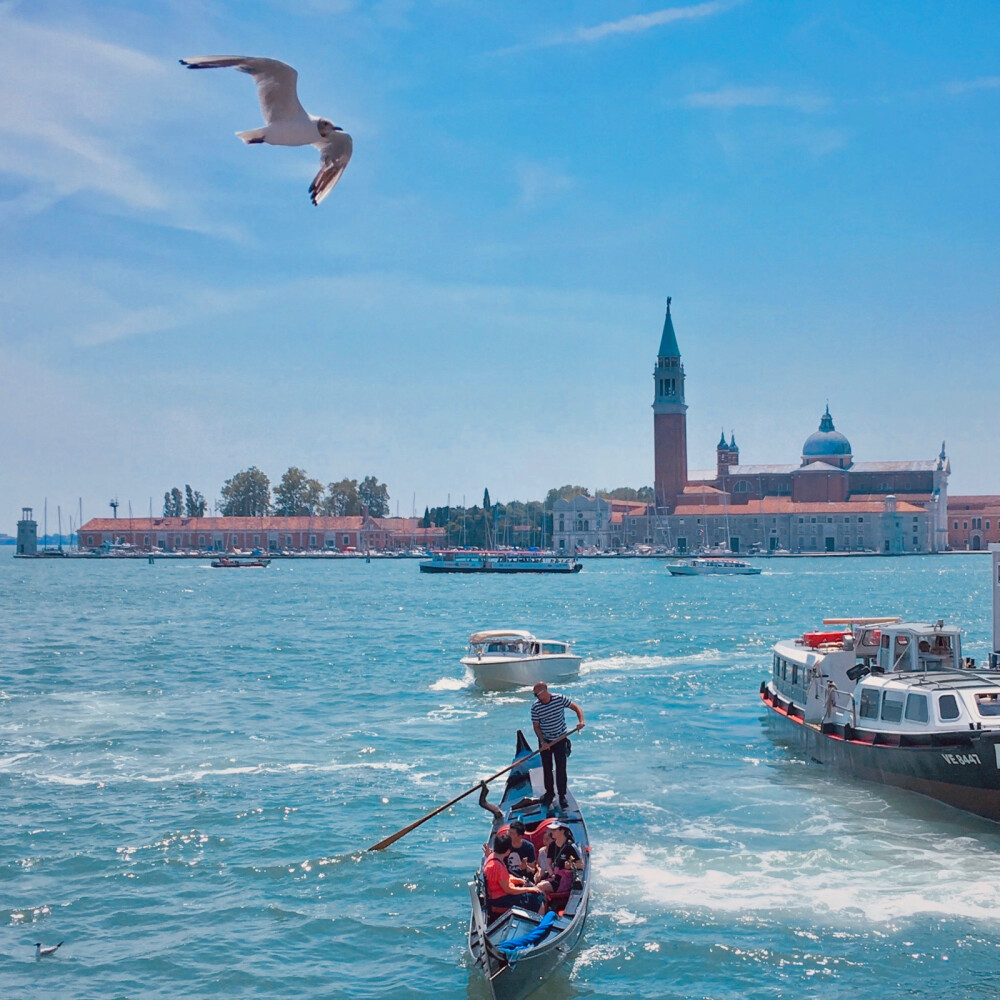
column 517, row 950
column 483, row 561
column 502, row 659
column 228, row 562
column 895, row 702
column 701, row 566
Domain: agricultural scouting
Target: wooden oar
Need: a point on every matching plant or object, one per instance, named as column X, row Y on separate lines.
column 399, row 834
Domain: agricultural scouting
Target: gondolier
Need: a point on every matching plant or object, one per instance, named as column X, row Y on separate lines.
column 548, row 717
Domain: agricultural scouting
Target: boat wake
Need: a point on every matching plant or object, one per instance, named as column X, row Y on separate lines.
column 771, row 884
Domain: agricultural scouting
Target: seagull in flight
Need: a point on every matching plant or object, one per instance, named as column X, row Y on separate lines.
column 41, row 952
column 286, row 122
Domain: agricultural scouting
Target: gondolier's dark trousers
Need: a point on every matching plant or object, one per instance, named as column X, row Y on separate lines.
column 557, row 754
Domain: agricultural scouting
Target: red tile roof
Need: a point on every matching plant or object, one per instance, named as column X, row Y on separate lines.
column 785, row 505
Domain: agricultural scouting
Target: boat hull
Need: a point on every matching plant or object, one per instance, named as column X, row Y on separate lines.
column 500, row 568
column 961, row 769
column 499, row 674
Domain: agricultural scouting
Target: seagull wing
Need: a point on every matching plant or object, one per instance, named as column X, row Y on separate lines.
column 335, row 154
column 275, row 83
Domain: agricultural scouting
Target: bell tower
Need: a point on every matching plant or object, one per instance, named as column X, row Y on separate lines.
column 669, row 421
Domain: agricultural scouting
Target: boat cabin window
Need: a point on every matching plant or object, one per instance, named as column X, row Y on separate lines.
column 902, row 649
column 868, row 708
column 795, row 673
column 988, row 703
column 937, row 652
column 916, row 708
column 892, row 706
column 948, row 707
column 553, row 647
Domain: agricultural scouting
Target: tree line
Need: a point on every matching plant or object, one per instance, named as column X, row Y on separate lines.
column 524, row 524
column 249, row 494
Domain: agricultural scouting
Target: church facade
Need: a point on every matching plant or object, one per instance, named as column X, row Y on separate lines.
column 824, row 502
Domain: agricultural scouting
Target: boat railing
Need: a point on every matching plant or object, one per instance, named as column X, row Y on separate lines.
column 838, row 701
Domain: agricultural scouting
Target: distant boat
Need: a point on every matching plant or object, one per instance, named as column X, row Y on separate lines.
column 501, row 659
column 704, row 567
column 483, row 561
column 226, row 562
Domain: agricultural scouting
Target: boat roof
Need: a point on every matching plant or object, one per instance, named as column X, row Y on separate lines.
column 949, row 679
column 500, row 633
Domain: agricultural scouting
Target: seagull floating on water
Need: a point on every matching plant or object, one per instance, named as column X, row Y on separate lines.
column 286, row 122
column 41, row 952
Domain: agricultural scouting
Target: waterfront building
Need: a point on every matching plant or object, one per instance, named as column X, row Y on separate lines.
column 265, row 534
column 973, row 522
column 583, row 523
column 825, row 502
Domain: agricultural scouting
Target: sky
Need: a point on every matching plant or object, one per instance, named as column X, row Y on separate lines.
column 479, row 302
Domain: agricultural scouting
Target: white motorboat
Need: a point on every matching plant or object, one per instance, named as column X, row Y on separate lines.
column 501, row 659
column 705, row 567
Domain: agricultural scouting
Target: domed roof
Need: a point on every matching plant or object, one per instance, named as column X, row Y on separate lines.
column 826, row 441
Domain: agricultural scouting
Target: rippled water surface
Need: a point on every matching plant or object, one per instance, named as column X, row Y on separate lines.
column 192, row 761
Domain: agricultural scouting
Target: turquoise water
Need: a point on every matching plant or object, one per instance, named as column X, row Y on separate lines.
column 191, row 762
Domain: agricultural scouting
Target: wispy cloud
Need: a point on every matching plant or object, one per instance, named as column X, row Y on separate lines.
column 540, row 183
column 957, row 87
column 634, row 24
column 730, row 98
column 63, row 126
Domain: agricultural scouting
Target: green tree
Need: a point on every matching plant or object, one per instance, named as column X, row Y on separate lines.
column 173, row 503
column 297, row 495
column 194, row 503
column 342, row 499
column 375, row 496
column 247, row 494
column 426, row 522
column 486, row 499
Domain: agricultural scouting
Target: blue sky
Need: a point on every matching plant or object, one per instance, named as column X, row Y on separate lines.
column 479, row 302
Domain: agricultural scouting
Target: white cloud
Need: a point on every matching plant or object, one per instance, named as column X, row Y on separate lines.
column 67, row 106
column 632, row 25
column 540, row 183
column 636, row 23
column 957, row 87
column 729, row 98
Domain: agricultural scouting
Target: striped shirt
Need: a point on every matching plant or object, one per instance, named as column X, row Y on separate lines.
column 551, row 718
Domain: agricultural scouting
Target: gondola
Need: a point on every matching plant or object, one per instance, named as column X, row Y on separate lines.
column 512, row 970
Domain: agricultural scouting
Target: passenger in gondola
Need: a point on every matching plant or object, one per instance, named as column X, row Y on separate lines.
column 564, row 859
column 504, row 890
column 521, row 859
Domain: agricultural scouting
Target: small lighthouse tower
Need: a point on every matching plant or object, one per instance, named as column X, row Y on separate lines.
column 27, row 534
column 669, row 421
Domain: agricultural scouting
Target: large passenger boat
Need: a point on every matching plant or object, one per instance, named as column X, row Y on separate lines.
column 502, row 659
column 483, row 561
column 895, row 702
column 517, row 950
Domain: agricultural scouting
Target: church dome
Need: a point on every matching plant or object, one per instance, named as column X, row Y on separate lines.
column 826, row 444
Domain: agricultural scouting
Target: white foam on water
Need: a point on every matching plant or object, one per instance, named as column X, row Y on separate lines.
column 629, row 664
column 451, row 684
column 6, row 763
column 881, row 886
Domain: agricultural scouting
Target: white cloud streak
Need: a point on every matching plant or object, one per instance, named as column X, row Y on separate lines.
column 731, row 98
column 957, row 87
column 66, row 102
column 637, row 23
column 634, row 24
